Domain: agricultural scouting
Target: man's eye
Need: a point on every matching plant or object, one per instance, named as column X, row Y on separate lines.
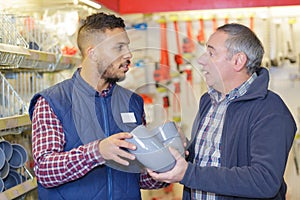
column 120, row 47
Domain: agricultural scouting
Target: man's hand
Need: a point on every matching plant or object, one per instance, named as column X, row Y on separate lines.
column 174, row 175
column 110, row 148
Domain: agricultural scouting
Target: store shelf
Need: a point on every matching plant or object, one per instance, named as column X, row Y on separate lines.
column 48, row 62
column 12, row 56
column 14, row 122
column 60, row 62
column 20, row 58
column 73, row 60
column 51, row 57
column 19, row 190
column 7, row 48
column 26, row 44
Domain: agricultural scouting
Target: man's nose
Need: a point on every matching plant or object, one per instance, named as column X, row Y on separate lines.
column 127, row 54
column 202, row 60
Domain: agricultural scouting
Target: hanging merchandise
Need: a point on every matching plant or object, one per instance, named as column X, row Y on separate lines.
column 226, row 19
column 188, row 44
column 176, row 99
column 148, row 107
column 277, row 60
column 178, row 56
column 201, row 34
column 164, row 56
column 140, row 26
column 29, row 26
column 161, row 108
column 38, row 35
column 166, row 104
column 163, row 72
column 291, row 54
column 189, row 75
column 214, row 23
column 265, row 38
column 188, row 84
column 251, row 24
column 67, row 50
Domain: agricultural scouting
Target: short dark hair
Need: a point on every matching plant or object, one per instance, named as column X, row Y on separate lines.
column 101, row 21
column 95, row 23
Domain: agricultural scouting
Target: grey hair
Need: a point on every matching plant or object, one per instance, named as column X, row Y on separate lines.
column 242, row 39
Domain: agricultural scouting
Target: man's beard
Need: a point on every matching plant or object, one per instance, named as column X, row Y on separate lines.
column 114, row 80
column 110, row 78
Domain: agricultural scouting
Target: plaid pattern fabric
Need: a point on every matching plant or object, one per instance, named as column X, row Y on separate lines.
column 208, row 144
column 105, row 92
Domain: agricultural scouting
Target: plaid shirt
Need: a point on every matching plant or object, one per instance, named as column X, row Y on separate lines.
column 208, row 144
column 54, row 166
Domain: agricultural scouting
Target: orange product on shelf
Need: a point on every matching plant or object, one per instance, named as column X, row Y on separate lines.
column 178, row 56
column 147, row 99
column 215, row 24
column 69, row 50
column 188, row 44
column 164, row 56
column 201, row 34
column 252, row 23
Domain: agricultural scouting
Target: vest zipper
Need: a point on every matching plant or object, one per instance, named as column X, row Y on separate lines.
column 106, row 130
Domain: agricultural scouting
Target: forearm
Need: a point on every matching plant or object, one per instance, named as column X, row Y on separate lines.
column 55, row 168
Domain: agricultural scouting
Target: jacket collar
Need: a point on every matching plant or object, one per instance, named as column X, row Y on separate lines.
column 87, row 89
column 259, row 87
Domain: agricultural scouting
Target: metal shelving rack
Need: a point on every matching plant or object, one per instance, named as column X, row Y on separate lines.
column 23, row 58
column 25, row 45
column 13, row 114
column 13, row 47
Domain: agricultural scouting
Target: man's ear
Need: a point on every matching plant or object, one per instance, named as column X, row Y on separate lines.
column 240, row 60
column 90, row 52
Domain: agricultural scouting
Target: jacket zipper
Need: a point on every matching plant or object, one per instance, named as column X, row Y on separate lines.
column 106, row 130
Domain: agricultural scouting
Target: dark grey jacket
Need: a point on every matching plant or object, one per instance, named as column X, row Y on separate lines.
column 257, row 136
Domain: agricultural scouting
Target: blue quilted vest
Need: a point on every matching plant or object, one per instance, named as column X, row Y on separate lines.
column 87, row 116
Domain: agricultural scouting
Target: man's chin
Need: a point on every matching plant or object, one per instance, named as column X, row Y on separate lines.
column 114, row 80
column 121, row 79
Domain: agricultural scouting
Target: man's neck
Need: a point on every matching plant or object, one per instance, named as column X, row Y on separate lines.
column 102, row 85
column 94, row 80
